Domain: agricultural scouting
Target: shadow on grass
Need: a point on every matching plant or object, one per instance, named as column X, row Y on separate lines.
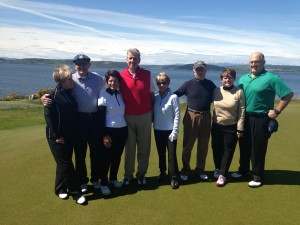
column 275, row 177
column 152, row 184
column 282, row 177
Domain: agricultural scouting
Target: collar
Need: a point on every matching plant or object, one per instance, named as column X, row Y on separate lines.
column 163, row 95
column 228, row 88
column 133, row 74
column 82, row 78
column 111, row 91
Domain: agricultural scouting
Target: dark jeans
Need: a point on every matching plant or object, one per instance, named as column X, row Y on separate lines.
column 66, row 177
column 254, row 145
column 111, row 157
column 163, row 143
column 88, row 133
column 224, row 140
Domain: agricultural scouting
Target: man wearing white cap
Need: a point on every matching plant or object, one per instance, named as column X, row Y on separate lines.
column 197, row 119
column 86, row 90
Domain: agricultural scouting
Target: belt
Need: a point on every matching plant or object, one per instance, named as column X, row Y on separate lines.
column 257, row 114
column 198, row 112
column 87, row 113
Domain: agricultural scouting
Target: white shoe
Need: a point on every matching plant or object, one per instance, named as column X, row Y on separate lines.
column 184, row 177
column 105, row 190
column 115, row 183
column 84, row 188
column 216, row 173
column 203, row 177
column 96, row 184
column 63, row 195
column 221, row 181
column 81, row 200
column 254, row 184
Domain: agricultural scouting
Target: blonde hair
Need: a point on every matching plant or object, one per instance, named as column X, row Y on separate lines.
column 163, row 75
column 61, row 73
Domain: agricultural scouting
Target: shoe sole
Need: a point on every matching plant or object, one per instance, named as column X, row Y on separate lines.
column 254, row 186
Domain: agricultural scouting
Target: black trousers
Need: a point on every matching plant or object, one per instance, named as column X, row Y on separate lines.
column 163, row 143
column 88, row 133
column 254, row 145
column 111, row 157
column 66, row 177
column 224, row 140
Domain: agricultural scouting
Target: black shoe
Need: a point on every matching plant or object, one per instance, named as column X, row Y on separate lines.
column 161, row 176
column 238, row 175
column 141, row 180
column 174, row 183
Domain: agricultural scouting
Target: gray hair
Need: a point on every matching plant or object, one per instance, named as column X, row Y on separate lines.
column 134, row 51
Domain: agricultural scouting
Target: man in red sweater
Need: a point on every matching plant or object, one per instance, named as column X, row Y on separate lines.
column 137, row 88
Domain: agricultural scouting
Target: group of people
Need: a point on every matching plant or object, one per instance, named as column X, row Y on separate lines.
column 116, row 112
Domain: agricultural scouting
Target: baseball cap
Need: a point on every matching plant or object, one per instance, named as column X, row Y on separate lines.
column 199, row 64
column 81, row 57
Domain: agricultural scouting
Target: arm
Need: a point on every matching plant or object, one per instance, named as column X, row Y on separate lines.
column 52, row 124
column 283, row 102
column 169, row 103
column 176, row 109
column 241, row 114
column 181, row 90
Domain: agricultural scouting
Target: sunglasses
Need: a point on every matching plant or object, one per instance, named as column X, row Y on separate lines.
column 162, row 83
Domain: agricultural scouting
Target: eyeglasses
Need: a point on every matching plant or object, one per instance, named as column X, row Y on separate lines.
column 200, row 69
column 162, row 83
column 255, row 62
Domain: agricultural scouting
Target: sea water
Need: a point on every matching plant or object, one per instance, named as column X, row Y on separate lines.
column 26, row 79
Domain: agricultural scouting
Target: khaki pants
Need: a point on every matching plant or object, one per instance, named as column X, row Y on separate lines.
column 196, row 126
column 139, row 138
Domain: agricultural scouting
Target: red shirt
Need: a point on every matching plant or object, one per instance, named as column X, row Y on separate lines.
column 136, row 92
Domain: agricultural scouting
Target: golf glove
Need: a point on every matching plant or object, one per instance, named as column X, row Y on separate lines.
column 173, row 136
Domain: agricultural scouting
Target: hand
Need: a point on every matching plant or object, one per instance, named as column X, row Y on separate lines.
column 60, row 140
column 46, row 100
column 173, row 136
column 107, row 141
column 272, row 114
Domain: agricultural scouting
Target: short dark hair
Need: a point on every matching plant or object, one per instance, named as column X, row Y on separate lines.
column 112, row 73
column 228, row 72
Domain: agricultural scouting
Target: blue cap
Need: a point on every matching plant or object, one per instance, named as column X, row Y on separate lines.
column 81, row 57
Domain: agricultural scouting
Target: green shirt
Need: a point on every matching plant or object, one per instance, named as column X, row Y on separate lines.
column 260, row 91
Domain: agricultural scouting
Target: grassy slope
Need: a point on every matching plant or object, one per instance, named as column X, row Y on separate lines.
column 27, row 172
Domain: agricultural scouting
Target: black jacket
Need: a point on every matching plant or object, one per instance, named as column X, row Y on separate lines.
column 61, row 115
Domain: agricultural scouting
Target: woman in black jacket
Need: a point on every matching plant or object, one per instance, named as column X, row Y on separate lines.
column 60, row 131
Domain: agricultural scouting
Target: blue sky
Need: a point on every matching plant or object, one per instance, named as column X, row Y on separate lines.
column 166, row 32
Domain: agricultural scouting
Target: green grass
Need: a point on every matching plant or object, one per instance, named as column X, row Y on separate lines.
column 27, row 172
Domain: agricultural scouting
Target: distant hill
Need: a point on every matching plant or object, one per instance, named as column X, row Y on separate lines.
column 110, row 64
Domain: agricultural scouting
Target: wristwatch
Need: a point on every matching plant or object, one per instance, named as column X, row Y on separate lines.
column 277, row 112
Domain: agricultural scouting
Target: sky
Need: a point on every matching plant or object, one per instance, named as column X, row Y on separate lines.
column 165, row 32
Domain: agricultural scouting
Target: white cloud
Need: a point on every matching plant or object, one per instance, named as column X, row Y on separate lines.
column 69, row 31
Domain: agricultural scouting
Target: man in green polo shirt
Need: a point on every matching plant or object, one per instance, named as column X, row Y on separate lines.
column 260, row 88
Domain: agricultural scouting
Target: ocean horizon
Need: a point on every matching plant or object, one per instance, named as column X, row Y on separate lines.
column 27, row 79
